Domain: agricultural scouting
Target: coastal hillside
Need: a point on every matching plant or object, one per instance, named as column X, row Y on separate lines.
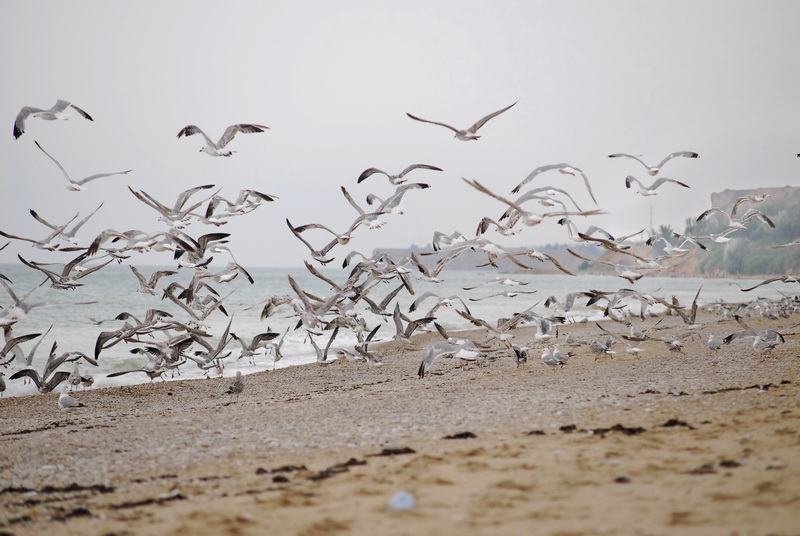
column 743, row 252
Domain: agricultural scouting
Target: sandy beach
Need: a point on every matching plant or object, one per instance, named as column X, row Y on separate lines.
column 692, row 443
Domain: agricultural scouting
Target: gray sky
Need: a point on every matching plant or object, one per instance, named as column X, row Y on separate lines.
column 334, row 81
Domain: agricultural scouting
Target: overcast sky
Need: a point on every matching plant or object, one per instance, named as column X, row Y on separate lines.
column 334, row 81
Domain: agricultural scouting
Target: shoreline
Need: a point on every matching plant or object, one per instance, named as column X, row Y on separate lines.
column 183, row 457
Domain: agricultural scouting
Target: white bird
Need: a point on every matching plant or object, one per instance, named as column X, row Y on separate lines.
column 469, row 133
column 77, row 186
column 54, row 113
column 218, row 149
column 653, row 170
column 67, row 402
column 550, row 360
column 177, row 216
column 62, row 229
column 528, row 218
column 445, row 349
column 738, row 223
column 563, row 168
column 148, row 286
column 396, row 179
column 758, row 198
column 650, row 190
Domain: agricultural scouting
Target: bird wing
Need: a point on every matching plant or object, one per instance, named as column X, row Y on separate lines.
column 100, row 176
column 482, row 121
column 19, row 123
column 64, row 171
column 369, row 172
column 618, row 155
column 412, row 167
column 687, row 154
column 541, row 169
column 232, row 130
column 433, row 122
column 59, row 106
column 661, row 180
column 84, row 114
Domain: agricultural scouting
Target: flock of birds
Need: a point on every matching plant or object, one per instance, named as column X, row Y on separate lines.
column 167, row 341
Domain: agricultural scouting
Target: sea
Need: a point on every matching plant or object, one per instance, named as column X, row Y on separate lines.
column 113, row 290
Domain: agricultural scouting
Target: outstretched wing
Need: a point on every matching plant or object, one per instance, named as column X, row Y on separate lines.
column 445, row 125
column 687, row 154
column 232, row 130
column 482, row 121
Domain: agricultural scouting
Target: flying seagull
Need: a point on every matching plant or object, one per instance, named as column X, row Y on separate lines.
column 653, row 170
column 471, row 132
column 650, row 190
column 56, row 112
column 562, row 168
column 76, row 186
column 218, row 149
column 396, row 179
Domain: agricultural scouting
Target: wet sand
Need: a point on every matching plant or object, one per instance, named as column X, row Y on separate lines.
column 693, row 443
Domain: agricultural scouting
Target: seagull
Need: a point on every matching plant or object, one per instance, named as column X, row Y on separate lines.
column 738, row 223
column 67, row 402
column 249, row 349
column 528, row 218
column 11, row 344
column 50, row 377
column 56, row 112
column 237, row 386
column 793, row 243
column 396, row 179
column 177, row 216
column 70, row 273
column 763, row 341
column 218, row 149
column 650, row 190
column 758, row 198
column 77, row 186
column 563, row 168
column 444, row 349
column 653, row 170
column 471, row 132
column 63, row 233
column 550, row 360
column 713, row 344
column 520, row 354
column 322, row 353
column 148, row 286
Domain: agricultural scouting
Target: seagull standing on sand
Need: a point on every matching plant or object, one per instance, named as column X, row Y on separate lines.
column 653, row 170
column 67, row 402
column 218, row 149
column 237, row 386
column 467, row 134
column 54, row 113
